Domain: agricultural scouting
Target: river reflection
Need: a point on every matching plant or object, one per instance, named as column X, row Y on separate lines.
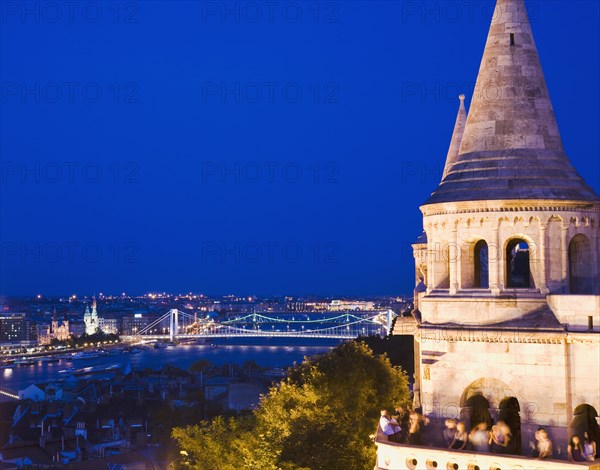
column 277, row 352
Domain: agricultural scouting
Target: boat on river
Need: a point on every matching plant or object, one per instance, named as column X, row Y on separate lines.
column 96, row 369
column 85, row 355
column 24, row 362
column 49, row 359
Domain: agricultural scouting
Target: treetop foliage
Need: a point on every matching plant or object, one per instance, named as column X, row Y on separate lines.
column 320, row 417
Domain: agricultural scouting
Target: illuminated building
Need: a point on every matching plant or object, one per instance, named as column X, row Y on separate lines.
column 90, row 318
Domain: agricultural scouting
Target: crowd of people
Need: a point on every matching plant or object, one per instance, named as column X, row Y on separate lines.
column 409, row 427
column 404, row 427
column 581, row 451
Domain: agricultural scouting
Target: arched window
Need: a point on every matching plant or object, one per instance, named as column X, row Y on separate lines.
column 585, row 420
column 509, row 413
column 481, row 265
column 581, row 276
column 477, row 410
column 518, row 271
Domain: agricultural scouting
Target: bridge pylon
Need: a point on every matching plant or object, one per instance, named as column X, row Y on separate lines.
column 389, row 320
column 173, row 323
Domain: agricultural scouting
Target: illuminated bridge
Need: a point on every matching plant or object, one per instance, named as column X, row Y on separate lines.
column 176, row 324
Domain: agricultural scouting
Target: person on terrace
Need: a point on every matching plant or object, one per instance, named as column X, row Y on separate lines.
column 460, row 437
column 389, row 427
column 500, row 438
column 414, row 429
column 589, row 447
column 480, row 438
column 575, row 450
column 544, row 444
column 450, row 431
column 401, row 415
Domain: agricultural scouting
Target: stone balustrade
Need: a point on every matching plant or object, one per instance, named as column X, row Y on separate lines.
column 392, row 456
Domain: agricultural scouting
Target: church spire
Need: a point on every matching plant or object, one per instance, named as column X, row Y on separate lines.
column 511, row 147
column 91, row 318
column 459, row 127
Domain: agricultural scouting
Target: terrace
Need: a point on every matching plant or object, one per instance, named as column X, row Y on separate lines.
column 393, row 456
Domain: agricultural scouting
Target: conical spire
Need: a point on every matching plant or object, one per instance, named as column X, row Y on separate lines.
column 511, row 107
column 459, row 128
column 511, row 147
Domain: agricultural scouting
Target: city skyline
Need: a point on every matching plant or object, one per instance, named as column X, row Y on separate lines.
column 178, row 179
column 318, row 235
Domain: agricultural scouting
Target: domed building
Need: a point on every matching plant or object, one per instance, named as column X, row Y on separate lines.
column 507, row 303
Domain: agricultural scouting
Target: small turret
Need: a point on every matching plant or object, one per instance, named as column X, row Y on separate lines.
column 459, row 129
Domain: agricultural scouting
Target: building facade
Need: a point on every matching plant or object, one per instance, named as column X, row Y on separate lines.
column 345, row 305
column 507, row 302
column 15, row 328
column 133, row 324
column 109, row 325
column 60, row 330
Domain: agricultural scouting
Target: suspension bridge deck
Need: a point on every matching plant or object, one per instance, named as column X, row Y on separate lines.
column 182, row 325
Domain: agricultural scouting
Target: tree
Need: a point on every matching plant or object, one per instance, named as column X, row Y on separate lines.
column 333, row 402
column 224, row 445
column 320, row 417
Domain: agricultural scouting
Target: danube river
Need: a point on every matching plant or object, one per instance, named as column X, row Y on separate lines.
column 269, row 353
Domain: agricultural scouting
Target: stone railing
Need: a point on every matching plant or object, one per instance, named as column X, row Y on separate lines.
column 392, row 456
column 405, row 326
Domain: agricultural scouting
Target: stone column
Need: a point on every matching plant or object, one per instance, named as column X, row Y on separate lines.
column 542, row 261
column 431, row 255
column 595, row 245
column 494, row 264
column 568, row 379
column 417, row 377
column 564, row 258
column 453, row 253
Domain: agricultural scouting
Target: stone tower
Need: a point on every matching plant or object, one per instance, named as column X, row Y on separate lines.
column 91, row 319
column 509, row 306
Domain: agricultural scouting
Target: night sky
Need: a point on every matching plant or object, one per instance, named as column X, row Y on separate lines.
column 269, row 148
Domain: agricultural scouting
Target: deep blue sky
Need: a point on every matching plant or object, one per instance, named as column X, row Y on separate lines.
column 153, row 185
